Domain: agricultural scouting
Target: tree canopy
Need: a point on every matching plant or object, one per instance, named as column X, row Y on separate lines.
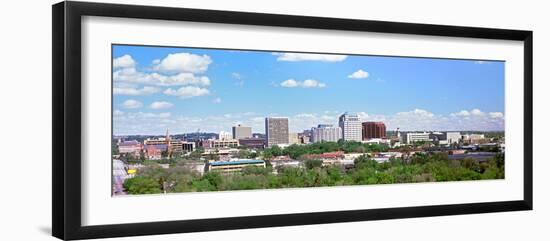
column 421, row 167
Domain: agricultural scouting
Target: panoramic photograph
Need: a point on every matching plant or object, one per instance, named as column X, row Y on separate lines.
column 199, row 119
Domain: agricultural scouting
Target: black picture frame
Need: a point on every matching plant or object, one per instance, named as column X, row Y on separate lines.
column 66, row 75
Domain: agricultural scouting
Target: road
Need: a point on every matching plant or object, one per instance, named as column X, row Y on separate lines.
column 120, row 174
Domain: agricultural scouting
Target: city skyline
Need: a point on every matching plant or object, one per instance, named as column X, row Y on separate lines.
column 185, row 89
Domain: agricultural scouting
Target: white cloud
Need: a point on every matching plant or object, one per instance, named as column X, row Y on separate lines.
column 496, row 115
column 476, row 112
column 417, row 119
column 363, row 115
column 239, row 78
column 359, row 74
column 290, row 83
column 183, row 62
column 118, row 113
column 294, row 57
column 465, row 113
column 180, row 79
column 308, row 83
column 236, row 75
column 217, row 100
column 131, row 75
column 146, row 90
column 132, row 104
column 417, row 112
column 125, row 61
column 187, row 92
column 161, row 105
column 164, row 115
column 461, row 113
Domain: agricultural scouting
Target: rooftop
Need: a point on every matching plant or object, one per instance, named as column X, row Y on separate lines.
column 236, row 162
column 129, row 143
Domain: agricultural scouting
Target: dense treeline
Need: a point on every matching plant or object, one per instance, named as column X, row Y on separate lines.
column 419, row 168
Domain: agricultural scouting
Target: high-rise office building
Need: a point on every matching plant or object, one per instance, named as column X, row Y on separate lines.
column 276, row 131
column 373, row 130
column 351, row 127
column 241, row 132
column 326, row 133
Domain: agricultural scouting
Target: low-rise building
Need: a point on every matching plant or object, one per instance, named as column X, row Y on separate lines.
column 221, row 153
column 281, row 164
column 280, row 159
column 445, row 138
column 455, row 152
column 254, row 143
column 130, row 147
column 219, row 143
column 304, row 139
column 159, row 143
column 182, row 146
column 474, row 139
column 293, row 138
column 325, row 156
column 153, row 153
column 412, row 137
column 353, row 156
column 453, row 137
column 234, row 165
column 378, row 141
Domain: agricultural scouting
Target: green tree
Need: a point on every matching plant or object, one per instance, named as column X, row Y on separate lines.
column 214, row 178
column 244, row 154
column 364, row 161
column 202, row 185
column 114, row 147
column 142, row 185
column 310, row 164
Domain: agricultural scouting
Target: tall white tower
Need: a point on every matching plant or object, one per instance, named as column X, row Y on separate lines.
column 351, row 127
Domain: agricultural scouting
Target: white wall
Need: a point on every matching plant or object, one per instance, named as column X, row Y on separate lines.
column 25, row 99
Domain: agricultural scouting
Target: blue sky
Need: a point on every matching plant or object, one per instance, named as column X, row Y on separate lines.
column 185, row 89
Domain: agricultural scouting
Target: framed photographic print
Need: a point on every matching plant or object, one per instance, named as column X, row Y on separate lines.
column 169, row 120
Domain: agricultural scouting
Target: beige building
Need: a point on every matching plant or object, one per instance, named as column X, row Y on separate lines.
column 276, row 131
column 293, row 138
column 182, row 146
column 241, row 132
column 220, row 143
